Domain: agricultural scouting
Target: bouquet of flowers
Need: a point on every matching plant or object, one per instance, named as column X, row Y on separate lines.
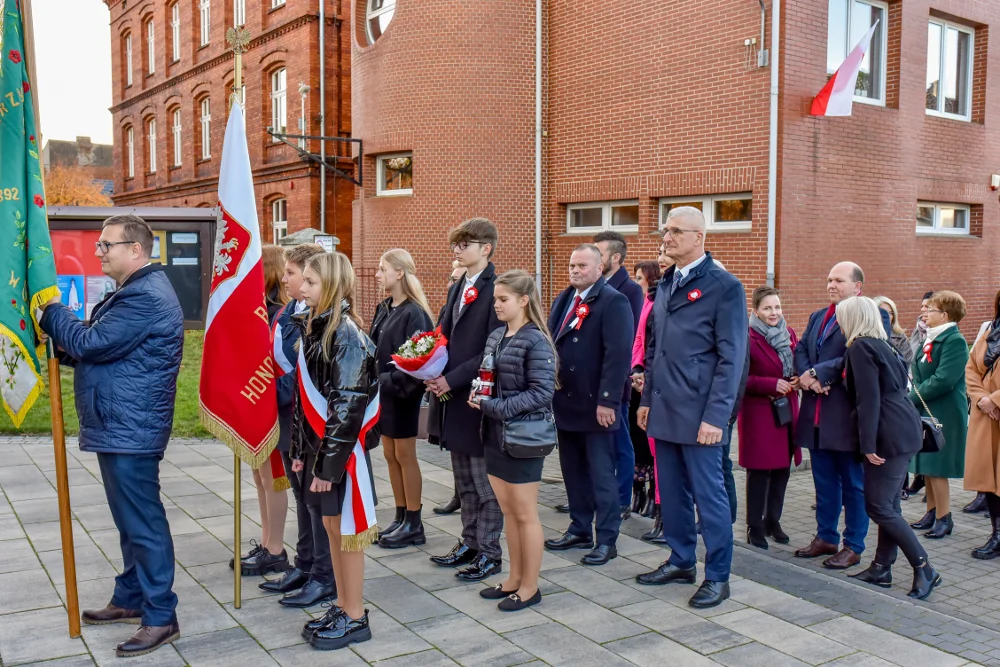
column 423, row 356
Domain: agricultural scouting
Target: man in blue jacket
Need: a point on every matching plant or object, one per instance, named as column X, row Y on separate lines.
column 592, row 328
column 126, row 362
column 694, row 364
column 613, row 248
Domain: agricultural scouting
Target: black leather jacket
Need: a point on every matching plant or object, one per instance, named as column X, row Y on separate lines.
column 348, row 381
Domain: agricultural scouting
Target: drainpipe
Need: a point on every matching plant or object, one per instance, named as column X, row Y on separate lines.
column 322, row 115
column 772, row 148
column 538, row 146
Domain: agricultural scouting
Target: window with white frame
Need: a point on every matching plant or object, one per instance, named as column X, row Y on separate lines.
column 176, row 130
column 849, row 21
column 206, row 128
column 277, row 3
column 205, row 20
column 723, row 213
column 239, row 12
column 175, row 31
column 395, row 174
column 128, row 60
column 151, row 136
column 279, row 219
column 949, row 69
column 130, row 151
column 936, row 218
column 379, row 16
column 279, row 109
column 151, row 46
column 586, row 218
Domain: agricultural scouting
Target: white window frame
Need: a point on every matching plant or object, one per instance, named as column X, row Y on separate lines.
column 130, row 150
column 178, row 143
column 937, row 230
column 884, row 30
column 128, row 59
column 708, row 209
column 277, row 3
column 205, row 20
column 380, row 176
column 206, row 128
column 151, row 136
column 279, row 102
column 606, row 217
column 151, row 46
column 175, row 30
column 279, row 219
column 239, row 12
column 945, row 26
column 388, row 7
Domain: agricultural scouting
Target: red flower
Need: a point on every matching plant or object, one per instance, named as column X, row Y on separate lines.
column 15, row 56
column 23, row 325
column 694, row 295
column 471, row 295
column 31, row 138
column 39, row 202
column 13, row 302
column 26, row 88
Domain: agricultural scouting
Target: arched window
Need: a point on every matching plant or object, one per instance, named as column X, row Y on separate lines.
column 205, row 109
column 175, row 31
column 379, row 15
column 177, row 136
column 205, row 20
column 279, row 107
column 150, row 47
column 129, row 152
column 279, row 218
column 127, row 49
column 151, row 138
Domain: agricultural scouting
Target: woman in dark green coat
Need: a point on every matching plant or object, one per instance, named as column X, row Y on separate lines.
column 939, row 379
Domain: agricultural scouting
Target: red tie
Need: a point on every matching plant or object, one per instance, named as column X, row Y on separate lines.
column 572, row 312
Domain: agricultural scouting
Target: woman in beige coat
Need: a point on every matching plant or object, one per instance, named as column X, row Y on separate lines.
column 982, row 451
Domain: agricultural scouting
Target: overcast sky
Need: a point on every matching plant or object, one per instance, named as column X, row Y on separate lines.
column 73, row 58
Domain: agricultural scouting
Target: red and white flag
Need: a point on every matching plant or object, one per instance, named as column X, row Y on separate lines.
column 837, row 96
column 238, row 395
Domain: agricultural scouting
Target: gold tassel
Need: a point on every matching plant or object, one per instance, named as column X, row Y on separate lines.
column 359, row 542
column 231, row 439
column 281, row 484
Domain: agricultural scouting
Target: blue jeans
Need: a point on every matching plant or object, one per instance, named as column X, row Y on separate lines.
column 624, row 458
column 840, row 482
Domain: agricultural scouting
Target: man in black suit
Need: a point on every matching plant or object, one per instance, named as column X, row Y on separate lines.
column 592, row 326
column 468, row 320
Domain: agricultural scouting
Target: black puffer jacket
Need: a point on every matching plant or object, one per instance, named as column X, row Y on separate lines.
column 348, row 382
column 526, row 374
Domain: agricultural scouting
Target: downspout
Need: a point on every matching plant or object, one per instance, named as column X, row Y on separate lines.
column 538, row 146
column 772, row 148
column 322, row 115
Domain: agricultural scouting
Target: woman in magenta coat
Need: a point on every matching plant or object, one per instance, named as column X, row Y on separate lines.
column 766, row 449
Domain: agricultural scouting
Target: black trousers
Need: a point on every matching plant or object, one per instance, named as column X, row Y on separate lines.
column 765, row 496
column 588, row 467
column 883, row 487
column 993, row 505
column 312, row 548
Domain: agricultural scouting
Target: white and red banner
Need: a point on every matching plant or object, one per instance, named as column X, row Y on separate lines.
column 837, row 96
column 238, row 396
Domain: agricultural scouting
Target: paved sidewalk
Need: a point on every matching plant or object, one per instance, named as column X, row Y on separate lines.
column 781, row 614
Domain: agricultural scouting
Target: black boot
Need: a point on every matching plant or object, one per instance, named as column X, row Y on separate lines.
column 396, row 523
column 650, row 507
column 755, row 537
column 991, row 549
column 880, row 575
column 655, row 535
column 773, row 530
column 453, row 505
column 976, row 506
column 638, row 496
column 925, row 578
column 918, row 483
column 926, row 522
column 942, row 527
column 411, row 532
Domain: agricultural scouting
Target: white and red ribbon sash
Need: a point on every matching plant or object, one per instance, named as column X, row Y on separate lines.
column 314, row 406
column 283, row 364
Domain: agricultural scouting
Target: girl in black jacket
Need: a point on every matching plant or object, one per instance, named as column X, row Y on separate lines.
column 886, row 431
column 525, row 363
column 397, row 318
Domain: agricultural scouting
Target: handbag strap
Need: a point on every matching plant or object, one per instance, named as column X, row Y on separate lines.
column 926, row 409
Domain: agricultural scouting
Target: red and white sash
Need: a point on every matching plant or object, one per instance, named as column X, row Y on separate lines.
column 283, row 365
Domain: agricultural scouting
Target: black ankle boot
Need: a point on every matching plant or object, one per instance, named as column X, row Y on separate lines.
column 655, row 535
column 942, row 527
column 976, row 506
column 650, row 507
column 773, row 530
column 991, row 549
column 396, row 523
column 926, row 522
column 411, row 532
column 918, row 483
column 755, row 537
column 880, row 575
column 925, row 578
column 638, row 496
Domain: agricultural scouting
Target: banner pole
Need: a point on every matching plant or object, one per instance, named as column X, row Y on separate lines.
column 237, row 538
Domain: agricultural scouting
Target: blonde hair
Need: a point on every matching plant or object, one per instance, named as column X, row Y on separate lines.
column 859, row 317
column 520, row 283
column 337, row 279
column 274, row 269
column 884, row 300
column 401, row 260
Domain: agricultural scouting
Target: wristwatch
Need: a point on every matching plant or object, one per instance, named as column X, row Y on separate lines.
column 811, row 372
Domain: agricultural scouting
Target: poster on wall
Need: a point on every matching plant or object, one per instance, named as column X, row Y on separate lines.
column 72, row 288
column 98, row 289
column 159, row 254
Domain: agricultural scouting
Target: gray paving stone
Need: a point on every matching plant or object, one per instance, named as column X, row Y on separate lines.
column 786, row 637
column 430, row 658
column 224, row 648
column 403, row 600
column 468, row 643
column 197, row 611
column 46, row 535
column 34, row 636
column 755, row 655
column 702, row 635
column 304, row 655
column 91, row 563
column 200, row 549
column 588, row 618
column 859, row 660
column 467, row 601
column 10, row 528
column 103, row 639
column 34, row 511
column 217, row 579
column 26, row 590
column 589, row 583
column 416, row 567
column 203, row 505
column 271, row 624
column 559, row 646
column 653, row 650
column 784, row 606
column 884, row 644
column 389, row 639
column 18, row 556
column 95, row 517
column 75, row 661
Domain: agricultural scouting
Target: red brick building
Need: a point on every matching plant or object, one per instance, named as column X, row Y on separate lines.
column 173, row 74
column 643, row 110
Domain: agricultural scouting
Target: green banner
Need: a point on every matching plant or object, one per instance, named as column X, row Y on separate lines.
column 27, row 269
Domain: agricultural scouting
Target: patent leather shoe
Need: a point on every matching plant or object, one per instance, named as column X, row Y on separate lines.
column 481, row 568
column 991, row 549
column 408, row 533
column 147, row 639
column 977, row 505
column 710, row 594
column 263, row 562
column 926, row 522
column 925, row 579
column 460, row 554
column 942, row 527
column 668, row 574
column 314, row 624
column 255, row 549
column 876, row 574
column 292, row 580
column 655, row 534
column 600, row 555
column 569, row 541
column 341, row 631
column 450, row 507
column 310, row 595
column 396, row 523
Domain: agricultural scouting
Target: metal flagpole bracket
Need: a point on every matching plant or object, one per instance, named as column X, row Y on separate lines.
column 325, row 163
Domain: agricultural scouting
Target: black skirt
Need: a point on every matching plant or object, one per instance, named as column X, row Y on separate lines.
column 503, row 466
column 331, row 503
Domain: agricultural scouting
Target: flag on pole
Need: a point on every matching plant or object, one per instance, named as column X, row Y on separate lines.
column 837, row 96
column 27, row 269
column 239, row 401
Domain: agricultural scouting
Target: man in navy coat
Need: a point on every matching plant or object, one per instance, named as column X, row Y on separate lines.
column 592, row 327
column 693, row 368
column 824, row 426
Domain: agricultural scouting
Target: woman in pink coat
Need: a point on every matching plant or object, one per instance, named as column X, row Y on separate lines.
column 765, row 447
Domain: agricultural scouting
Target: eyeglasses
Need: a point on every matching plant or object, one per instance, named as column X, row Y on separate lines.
column 105, row 246
column 463, row 246
column 933, row 310
column 674, row 232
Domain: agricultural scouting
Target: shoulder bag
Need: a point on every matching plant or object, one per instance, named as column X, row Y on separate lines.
column 933, row 435
column 529, row 436
column 781, row 408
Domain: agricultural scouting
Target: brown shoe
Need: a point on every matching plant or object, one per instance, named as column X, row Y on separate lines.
column 147, row 639
column 816, row 548
column 111, row 614
column 843, row 560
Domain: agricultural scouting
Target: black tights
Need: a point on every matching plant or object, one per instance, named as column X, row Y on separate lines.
column 993, row 504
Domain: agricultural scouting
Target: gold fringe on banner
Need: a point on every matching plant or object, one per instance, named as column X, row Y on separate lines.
column 281, row 484
column 359, row 542
column 231, row 439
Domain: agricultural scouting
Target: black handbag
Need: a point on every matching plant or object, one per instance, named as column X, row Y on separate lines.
column 781, row 408
column 529, row 436
column 933, row 433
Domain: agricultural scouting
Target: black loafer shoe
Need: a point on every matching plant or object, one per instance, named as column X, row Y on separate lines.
column 292, row 580
column 711, row 594
column 315, row 624
column 343, row 630
column 667, row 574
column 569, row 541
column 459, row 555
column 562, row 509
column 495, row 593
column 600, row 555
column 481, row 568
column 513, row 602
column 450, row 507
column 309, row 595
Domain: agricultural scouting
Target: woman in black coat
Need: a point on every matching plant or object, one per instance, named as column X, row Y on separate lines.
column 886, row 431
column 525, row 363
column 397, row 318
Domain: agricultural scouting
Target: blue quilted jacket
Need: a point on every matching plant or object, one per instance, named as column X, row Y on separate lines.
column 126, row 362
